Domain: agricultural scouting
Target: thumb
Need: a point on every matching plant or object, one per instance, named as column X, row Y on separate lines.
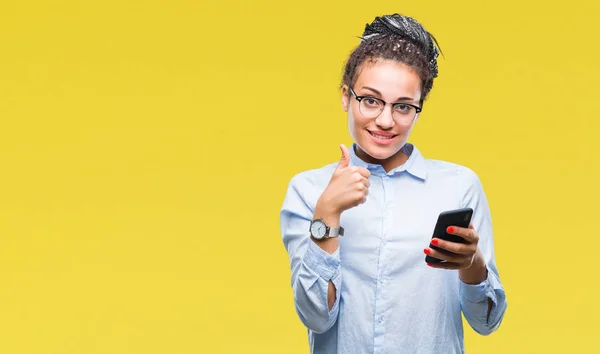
column 345, row 160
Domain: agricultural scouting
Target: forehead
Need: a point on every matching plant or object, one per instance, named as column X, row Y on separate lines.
column 390, row 78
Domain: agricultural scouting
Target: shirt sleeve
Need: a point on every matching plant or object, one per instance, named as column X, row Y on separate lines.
column 312, row 268
column 474, row 298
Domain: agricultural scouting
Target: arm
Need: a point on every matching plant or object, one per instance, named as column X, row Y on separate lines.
column 482, row 297
column 315, row 265
column 329, row 245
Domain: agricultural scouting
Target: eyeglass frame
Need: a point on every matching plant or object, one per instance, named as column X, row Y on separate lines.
column 360, row 98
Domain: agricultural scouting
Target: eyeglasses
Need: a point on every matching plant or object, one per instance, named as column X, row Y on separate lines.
column 371, row 107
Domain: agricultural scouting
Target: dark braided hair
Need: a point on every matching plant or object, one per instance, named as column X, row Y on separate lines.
column 398, row 38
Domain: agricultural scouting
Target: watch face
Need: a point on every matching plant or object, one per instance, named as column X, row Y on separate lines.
column 318, row 229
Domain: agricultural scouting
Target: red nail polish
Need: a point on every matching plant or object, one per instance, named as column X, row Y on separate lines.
column 429, row 264
column 427, row 251
column 434, row 242
column 450, row 229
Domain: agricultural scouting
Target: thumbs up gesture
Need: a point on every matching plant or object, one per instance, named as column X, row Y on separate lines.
column 348, row 187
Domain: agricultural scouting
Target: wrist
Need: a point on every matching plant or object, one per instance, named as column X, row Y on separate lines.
column 476, row 273
column 324, row 210
column 331, row 217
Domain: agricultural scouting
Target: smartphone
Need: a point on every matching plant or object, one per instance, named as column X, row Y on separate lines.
column 456, row 217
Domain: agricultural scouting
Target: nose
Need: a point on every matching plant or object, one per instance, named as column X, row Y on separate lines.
column 385, row 120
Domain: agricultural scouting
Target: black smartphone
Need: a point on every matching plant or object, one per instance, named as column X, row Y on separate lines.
column 456, row 217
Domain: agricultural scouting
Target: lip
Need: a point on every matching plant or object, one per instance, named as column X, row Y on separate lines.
column 385, row 141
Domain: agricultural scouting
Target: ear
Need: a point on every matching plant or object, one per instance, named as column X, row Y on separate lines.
column 345, row 98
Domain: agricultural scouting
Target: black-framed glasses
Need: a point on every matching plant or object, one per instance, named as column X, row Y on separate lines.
column 371, row 107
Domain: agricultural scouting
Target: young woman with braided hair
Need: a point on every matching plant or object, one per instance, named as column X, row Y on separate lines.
column 357, row 231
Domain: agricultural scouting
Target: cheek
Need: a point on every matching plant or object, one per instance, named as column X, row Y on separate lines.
column 405, row 131
column 352, row 128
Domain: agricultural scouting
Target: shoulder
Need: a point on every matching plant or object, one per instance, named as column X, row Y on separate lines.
column 314, row 177
column 308, row 185
column 449, row 170
column 461, row 178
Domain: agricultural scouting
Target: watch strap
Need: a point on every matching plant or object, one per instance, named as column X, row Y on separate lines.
column 335, row 232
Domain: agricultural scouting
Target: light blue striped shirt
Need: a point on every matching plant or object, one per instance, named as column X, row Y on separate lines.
column 388, row 300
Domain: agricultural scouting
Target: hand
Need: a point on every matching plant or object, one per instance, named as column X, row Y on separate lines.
column 458, row 255
column 348, row 187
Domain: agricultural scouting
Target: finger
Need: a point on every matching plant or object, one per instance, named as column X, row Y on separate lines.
column 445, row 265
column 469, row 235
column 364, row 172
column 444, row 256
column 360, row 186
column 345, row 159
column 366, row 182
column 454, row 247
column 360, row 199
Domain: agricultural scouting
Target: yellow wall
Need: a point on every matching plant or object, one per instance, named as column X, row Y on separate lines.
column 145, row 148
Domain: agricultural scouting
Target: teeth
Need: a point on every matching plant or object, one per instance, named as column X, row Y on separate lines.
column 382, row 137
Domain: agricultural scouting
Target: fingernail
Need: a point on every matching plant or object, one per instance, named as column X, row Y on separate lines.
column 450, row 229
column 427, row 251
column 429, row 264
column 434, row 242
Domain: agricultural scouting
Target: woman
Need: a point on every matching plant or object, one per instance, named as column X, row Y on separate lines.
column 357, row 231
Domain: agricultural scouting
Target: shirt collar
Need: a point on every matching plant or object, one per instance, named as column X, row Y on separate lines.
column 415, row 165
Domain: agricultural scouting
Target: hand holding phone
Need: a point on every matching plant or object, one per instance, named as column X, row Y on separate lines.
column 457, row 217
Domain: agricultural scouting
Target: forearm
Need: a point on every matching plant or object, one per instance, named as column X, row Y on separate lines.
column 317, row 284
column 483, row 303
column 329, row 245
column 482, row 296
column 316, row 269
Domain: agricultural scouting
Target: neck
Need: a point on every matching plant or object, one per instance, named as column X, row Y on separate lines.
column 398, row 159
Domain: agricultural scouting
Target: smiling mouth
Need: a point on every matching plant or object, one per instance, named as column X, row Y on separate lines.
column 384, row 137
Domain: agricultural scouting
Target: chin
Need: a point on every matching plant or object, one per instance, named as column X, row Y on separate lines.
column 380, row 152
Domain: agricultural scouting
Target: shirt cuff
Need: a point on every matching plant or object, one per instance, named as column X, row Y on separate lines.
column 480, row 292
column 326, row 265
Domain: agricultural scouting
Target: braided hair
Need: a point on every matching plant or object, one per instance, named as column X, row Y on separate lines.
column 398, row 38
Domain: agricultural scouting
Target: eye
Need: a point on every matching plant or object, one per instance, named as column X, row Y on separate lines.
column 404, row 108
column 371, row 102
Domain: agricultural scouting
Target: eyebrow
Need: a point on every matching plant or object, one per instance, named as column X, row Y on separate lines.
column 380, row 95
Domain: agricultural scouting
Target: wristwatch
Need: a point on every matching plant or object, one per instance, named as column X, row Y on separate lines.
column 319, row 230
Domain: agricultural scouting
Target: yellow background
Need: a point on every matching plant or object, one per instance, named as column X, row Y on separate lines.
column 145, row 149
